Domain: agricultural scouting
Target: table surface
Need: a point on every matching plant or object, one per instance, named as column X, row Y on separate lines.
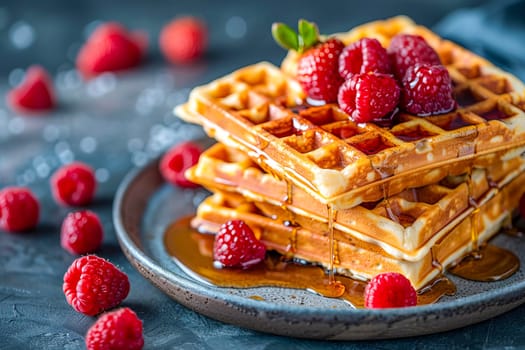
column 119, row 122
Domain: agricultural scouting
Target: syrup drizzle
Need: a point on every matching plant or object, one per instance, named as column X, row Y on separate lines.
column 386, row 195
column 193, row 252
column 337, row 288
column 474, row 216
column 487, row 262
column 491, row 263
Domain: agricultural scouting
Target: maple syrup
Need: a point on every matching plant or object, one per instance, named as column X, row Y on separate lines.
column 487, row 262
column 193, row 252
column 466, row 98
column 494, row 114
column 336, row 287
column 372, row 145
column 393, row 215
column 345, row 131
column 450, row 122
column 413, row 134
column 435, row 289
column 490, row 263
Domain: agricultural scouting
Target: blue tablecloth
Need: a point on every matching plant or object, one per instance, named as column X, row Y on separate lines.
column 119, row 122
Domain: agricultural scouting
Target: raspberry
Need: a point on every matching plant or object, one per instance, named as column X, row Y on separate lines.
column 389, row 289
column 115, row 330
column 318, row 71
column 74, row 184
column 92, row 285
column 81, row 232
column 111, row 48
column 19, row 209
column 177, row 160
column 236, row 246
column 427, row 90
column 407, row 50
column 369, row 96
column 34, row 94
column 183, row 40
column 363, row 56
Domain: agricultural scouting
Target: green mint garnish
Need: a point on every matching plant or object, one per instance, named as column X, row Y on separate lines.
column 285, row 36
column 306, row 36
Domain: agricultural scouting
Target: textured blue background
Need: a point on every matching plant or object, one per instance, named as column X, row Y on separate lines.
column 119, row 122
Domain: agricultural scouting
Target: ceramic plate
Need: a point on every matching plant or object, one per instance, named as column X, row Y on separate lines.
column 145, row 206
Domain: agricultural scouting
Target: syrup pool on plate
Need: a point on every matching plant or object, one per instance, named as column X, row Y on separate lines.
column 193, row 252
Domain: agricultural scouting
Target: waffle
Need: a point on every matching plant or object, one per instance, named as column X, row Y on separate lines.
column 261, row 110
column 362, row 262
column 405, row 226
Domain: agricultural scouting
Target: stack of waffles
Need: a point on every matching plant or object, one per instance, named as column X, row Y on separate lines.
column 413, row 197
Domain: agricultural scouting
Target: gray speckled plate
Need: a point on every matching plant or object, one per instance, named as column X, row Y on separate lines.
column 145, row 206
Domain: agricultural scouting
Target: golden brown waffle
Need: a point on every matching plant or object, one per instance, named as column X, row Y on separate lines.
column 358, row 259
column 261, row 110
column 405, row 225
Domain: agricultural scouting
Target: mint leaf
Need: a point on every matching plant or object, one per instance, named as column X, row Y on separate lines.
column 308, row 34
column 285, row 36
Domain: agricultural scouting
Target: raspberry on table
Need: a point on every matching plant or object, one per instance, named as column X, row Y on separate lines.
column 427, row 90
column 19, row 209
column 116, row 330
column 369, row 96
column 407, row 50
column 92, row 285
column 111, row 48
column 177, row 160
column 74, row 184
column 390, row 289
column 81, row 232
column 318, row 70
column 235, row 245
column 34, row 94
column 363, row 56
column 183, row 40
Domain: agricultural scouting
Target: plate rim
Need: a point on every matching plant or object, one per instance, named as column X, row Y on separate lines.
column 514, row 292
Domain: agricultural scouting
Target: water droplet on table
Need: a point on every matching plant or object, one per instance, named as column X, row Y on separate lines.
column 102, row 85
column 16, row 76
column 236, row 27
column 102, row 174
column 21, row 35
column 88, row 144
column 16, row 126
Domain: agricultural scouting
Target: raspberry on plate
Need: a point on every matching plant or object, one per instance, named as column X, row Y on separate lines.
column 363, row 56
column 116, row 330
column 74, row 184
column 34, row 94
column 111, row 48
column 406, row 50
column 369, row 96
column 177, row 160
column 19, row 209
column 235, row 245
column 183, row 40
column 92, row 285
column 318, row 70
column 81, row 232
column 427, row 90
column 390, row 289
